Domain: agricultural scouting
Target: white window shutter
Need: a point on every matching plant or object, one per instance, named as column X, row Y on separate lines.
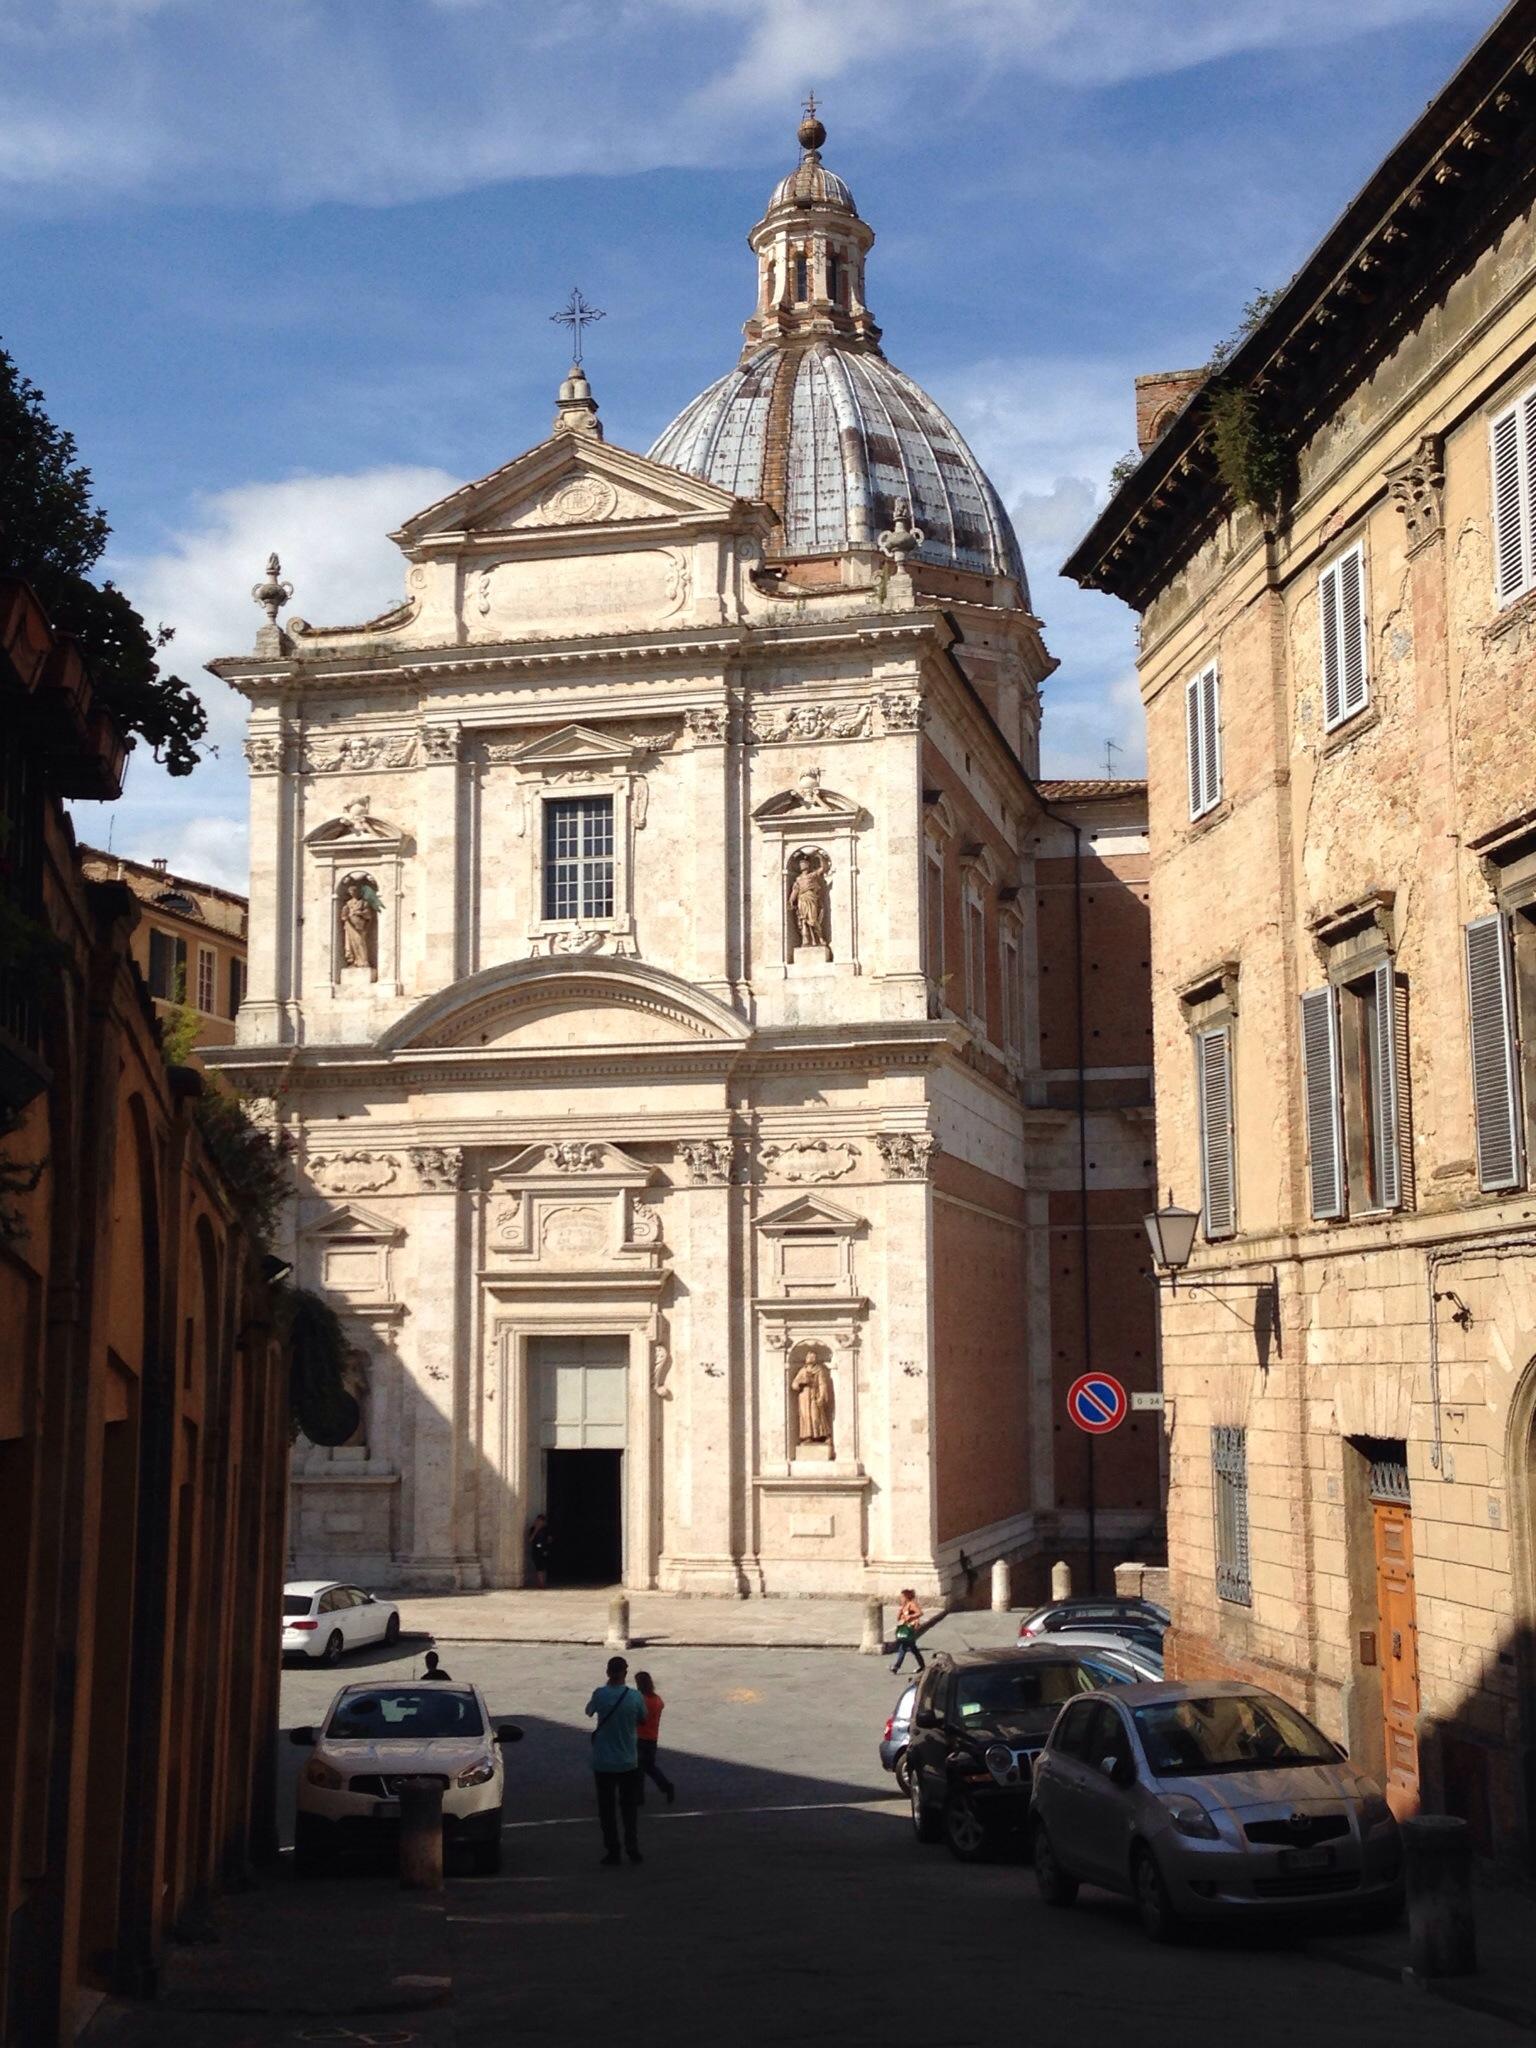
column 1325, row 1135
column 1384, row 1136
column 1328, row 610
column 1495, row 1086
column 1511, row 499
column 1193, row 747
column 1355, row 671
column 1210, row 720
column 1213, row 1055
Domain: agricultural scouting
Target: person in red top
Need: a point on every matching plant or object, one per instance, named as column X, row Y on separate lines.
column 647, row 1735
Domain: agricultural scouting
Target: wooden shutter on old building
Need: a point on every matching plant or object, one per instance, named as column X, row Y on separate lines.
column 1341, row 602
column 1495, row 1080
column 1213, row 1057
column 1320, row 1074
column 1513, row 438
column 1202, row 735
column 1385, row 1104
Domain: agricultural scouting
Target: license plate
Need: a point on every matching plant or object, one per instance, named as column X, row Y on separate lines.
column 386, row 1809
column 1306, row 1859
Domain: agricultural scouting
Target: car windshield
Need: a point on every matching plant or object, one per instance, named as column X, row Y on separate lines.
column 1242, row 1732
column 406, row 1713
column 1029, row 1693
column 297, row 1603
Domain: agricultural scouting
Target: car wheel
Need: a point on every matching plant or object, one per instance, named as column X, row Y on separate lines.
column 1056, row 1886
column 970, row 1837
column 332, row 1654
column 1158, row 1918
column 926, row 1825
column 311, row 1845
column 392, row 1631
column 903, row 1772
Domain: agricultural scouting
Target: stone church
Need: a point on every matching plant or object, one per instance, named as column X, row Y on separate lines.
column 675, row 983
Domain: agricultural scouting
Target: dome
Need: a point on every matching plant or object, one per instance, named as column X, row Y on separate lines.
column 814, row 420
column 851, row 438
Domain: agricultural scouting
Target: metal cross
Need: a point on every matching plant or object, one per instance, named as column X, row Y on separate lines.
column 577, row 314
column 810, row 105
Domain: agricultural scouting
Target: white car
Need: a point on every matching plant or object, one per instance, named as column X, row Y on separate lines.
column 322, row 1617
column 375, row 1735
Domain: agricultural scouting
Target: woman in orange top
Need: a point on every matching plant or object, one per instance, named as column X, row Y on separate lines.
column 647, row 1735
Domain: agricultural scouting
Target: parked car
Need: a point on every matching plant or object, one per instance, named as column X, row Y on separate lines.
column 322, row 1617
column 1142, row 1651
column 893, row 1743
column 978, row 1722
column 375, row 1735
column 1208, row 1800
column 1122, row 1615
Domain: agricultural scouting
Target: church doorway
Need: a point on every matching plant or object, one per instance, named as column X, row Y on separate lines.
column 583, row 1407
column 585, row 1492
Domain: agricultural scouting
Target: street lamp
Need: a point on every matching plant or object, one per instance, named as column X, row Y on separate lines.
column 1172, row 1232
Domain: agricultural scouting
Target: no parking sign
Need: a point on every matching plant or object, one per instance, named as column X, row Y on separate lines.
column 1097, row 1403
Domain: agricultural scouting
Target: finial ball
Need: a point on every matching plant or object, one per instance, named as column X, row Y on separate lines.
column 811, row 133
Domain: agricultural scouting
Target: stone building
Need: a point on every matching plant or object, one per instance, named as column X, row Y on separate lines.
column 1339, row 689
column 189, row 942
column 143, row 1417
column 647, row 917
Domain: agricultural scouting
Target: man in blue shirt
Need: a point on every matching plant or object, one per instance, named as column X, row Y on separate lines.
column 616, row 1760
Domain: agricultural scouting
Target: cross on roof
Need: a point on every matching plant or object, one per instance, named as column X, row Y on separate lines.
column 810, row 104
column 577, row 314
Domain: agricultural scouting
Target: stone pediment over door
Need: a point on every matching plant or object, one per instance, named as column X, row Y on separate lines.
column 568, row 1208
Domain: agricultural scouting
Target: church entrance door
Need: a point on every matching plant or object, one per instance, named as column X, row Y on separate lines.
column 582, row 1405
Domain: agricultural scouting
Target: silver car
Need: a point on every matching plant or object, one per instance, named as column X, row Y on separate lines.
column 1205, row 1801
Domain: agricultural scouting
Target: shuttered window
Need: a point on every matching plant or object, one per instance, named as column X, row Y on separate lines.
column 1383, row 1107
column 1229, row 1480
column 1213, row 1071
column 1341, row 603
column 1325, row 1132
column 1495, row 1069
column 1202, row 734
column 1513, row 437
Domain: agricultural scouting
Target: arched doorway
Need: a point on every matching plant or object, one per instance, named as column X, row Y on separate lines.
column 1521, row 1467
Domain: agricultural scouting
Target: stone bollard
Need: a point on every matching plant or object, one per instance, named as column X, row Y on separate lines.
column 618, row 1622
column 1002, row 1585
column 1061, row 1580
column 421, row 1835
column 1442, row 1934
column 872, row 1642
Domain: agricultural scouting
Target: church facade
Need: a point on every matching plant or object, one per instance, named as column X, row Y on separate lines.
column 646, row 964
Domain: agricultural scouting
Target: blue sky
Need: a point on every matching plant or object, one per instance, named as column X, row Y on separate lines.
column 285, row 269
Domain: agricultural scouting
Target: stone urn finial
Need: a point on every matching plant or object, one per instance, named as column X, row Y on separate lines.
column 903, row 539
column 272, row 592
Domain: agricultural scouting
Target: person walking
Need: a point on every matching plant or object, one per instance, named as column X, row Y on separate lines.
column 619, row 1710
column 648, row 1735
column 540, row 1543
column 908, row 1615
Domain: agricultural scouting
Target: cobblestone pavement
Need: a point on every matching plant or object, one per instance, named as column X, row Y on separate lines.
column 782, row 1899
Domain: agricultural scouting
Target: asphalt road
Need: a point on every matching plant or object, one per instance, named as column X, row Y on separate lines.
column 783, row 1898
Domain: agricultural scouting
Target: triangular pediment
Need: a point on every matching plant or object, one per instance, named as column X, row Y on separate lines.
column 808, row 804
column 571, row 482
column 351, row 1224
column 575, row 746
column 811, row 1212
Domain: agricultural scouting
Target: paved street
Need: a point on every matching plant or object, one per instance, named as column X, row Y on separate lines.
column 781, row 1900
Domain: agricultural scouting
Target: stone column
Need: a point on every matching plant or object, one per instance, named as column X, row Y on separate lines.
column 892, row 914
column 443, row 909
column 434, row 1346
column 263, row 1014
column 901, row 1458
column 717, row 883
column 704, row 1459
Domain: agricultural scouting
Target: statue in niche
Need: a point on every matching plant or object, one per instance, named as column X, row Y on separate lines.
column 355, row 1375
column 810, row 899
column 812, row 1389
column 360, row 910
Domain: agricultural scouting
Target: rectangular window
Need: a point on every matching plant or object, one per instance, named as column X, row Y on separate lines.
column 1229, row 1480
column 1352, row 1060
column 1202, row 736
column 1218, row 1179
column 167, row 967
column 578, row 859
column 1512, row 434
column 207, row 980
column 1013, row 998
column 1341, row 605
column 976, row 960
column 933, row 920
column 1495, row 1054
column 236, row 986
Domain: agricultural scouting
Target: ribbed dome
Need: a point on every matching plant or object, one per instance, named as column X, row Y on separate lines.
column 835, row 437
column 812, row 184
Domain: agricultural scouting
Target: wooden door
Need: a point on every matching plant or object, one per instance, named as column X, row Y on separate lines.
column 1399, row 1653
